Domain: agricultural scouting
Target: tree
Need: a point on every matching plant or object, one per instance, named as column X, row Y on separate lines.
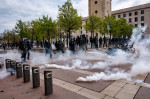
column 124, row 28
column 68, row 18
column 112, row 22
column 19, row 28
column 48, row 26
column 93, row 24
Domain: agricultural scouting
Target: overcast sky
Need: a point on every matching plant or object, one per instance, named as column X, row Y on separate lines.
column 27, row 10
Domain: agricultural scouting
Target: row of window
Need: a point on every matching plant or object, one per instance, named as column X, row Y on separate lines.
column 130, row 13
column 97, row 2
column 142, row 24
column 136, row 19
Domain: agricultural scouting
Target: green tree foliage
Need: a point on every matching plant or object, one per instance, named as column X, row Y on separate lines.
column 68, row 18
column 20, row 28
column 93, row 24
column 124, row 29
column 112, row 22
column 118, row 27
column 48, row 27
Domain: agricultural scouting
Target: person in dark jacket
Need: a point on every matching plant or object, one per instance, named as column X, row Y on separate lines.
column 91, row 41
column 28, row 49
column 23, row 48
column 72, row 45
column 100, row 42
column 48, row 48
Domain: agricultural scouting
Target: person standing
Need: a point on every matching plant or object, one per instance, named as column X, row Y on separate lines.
column 23, row 48
column 4, row 46
column 100, row 42
column 48, row 48
column 91, row 41
column 72, row 45
column 28, row 49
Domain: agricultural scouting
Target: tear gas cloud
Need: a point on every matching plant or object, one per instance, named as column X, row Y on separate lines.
column 139, row 60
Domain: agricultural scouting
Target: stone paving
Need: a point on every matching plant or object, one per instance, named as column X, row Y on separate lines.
column 66, row 87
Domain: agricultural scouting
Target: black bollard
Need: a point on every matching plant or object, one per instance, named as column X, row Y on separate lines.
column 7, row 62
column 26, row 73
column 13, row 67
column 48, row 82
column 19, row 69
column 1, row 62
column 36, row 77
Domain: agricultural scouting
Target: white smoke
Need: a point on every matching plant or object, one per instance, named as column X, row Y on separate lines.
column 12, row 54
column 140, row 60
column 4, row 74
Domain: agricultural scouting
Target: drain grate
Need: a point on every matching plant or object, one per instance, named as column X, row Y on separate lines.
column 18, row 85
column 11, row 80
column 27, row 92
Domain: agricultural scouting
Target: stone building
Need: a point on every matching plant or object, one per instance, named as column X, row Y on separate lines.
column 100, row 8
column 138, row 15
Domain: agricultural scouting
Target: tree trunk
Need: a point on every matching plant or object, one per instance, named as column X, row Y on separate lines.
column 67, row 40
column 110, row 34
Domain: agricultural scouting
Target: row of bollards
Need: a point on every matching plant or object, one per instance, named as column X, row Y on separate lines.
column 24, row 70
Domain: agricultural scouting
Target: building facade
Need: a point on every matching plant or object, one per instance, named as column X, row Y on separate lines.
column 100, row 8
column 138, row 16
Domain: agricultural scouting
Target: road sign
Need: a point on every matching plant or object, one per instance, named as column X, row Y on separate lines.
column 108, row 27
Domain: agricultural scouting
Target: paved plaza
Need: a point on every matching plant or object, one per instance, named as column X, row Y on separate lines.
column 66, row 86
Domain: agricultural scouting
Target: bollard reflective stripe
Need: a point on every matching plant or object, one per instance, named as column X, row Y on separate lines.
column 36, row 71
column 49, row 75
column 18, row 64
column 26, row 68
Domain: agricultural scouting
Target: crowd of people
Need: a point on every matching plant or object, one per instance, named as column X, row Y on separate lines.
column 79, row 43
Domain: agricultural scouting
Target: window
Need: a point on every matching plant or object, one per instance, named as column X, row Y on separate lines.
column 136, row 19
column 107, row 11
column 142, row 24
column 96, row 12
column 95, row 2
column 118, row 16
column 130, row 20
column 142, row 18
column 130, row 14
column 135, row 25
column 107, row 1
column 124, row 15
column 142, row 11
column 136, row 13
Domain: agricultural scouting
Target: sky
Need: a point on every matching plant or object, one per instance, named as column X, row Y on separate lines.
column 27, row 10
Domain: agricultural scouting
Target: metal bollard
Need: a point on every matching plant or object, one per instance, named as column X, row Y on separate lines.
column 1, row 62
column 12, row 67
column 48, row 82
column 36, row 77
column 18, row 69
column 26, row 73
column 7, row 62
